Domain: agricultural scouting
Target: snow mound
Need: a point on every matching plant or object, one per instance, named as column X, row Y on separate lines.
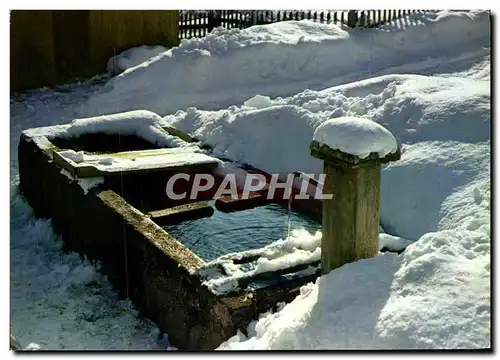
column 356, row 136
column 283, row 58
column 441, row 176
column 275, row 138
column 434, row 296
column 442, row 122
column 58, row 301
column 392, row 243
column 413, row 108
column 141, row 123
column 300, row 248
column 133, row 57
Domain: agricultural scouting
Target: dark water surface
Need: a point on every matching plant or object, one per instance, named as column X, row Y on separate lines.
column 224, row 233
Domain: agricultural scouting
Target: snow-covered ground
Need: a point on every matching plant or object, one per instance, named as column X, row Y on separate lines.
column 228, row 67
column 257, row 96
column 59, row 301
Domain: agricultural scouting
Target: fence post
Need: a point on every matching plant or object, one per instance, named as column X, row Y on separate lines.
column 214, row 19
column 350, row 219
column 363, row 20
column 210, row 21
column 352, row 18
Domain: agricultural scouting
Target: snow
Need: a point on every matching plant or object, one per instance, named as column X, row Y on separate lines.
column 284, row 58
column 142, row 160
column 426, row 80
column 442, row 122
column 300, row 248
column 75, row 156
column 57, row 300
column 442, row 176
column 258, row 102
column 435, row 295
column 141, row 123
column 356, row 136
column 413, row 108
column 89, row 183
column 392, row 243
column 85, row 184
column 133, row 57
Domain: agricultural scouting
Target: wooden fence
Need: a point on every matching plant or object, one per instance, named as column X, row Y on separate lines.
column 50, row 47
column 200, row 23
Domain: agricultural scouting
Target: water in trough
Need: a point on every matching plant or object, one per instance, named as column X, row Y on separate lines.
column 224, row 233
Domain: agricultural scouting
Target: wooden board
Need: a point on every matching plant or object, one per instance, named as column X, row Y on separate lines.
column 172, row 159
column 191, row 211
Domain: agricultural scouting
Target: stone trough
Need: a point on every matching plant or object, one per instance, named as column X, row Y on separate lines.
column 115, row 215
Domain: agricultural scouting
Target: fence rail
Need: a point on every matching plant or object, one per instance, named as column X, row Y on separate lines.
column 200, row 23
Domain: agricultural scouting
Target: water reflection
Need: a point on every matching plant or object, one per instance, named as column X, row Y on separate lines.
column 224, row 233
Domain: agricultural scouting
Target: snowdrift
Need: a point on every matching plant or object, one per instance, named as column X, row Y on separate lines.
column 229, row 66
column 442, row 122
column 435, row 295
column 58, row 301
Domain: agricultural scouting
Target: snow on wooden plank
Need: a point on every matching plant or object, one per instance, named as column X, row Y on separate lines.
column 82, row 165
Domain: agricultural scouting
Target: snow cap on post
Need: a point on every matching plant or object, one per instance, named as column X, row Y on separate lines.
column 352, row 142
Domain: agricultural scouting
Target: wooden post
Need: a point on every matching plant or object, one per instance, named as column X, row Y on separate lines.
column 351, row 218
column 352, row 18
column 214, row 19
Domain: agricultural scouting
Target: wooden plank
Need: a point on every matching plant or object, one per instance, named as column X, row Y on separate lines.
column 168, row 159
column 191, row 211
column 180, row 134
column 147, row 153
column 62, row 162
column 227, row 204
